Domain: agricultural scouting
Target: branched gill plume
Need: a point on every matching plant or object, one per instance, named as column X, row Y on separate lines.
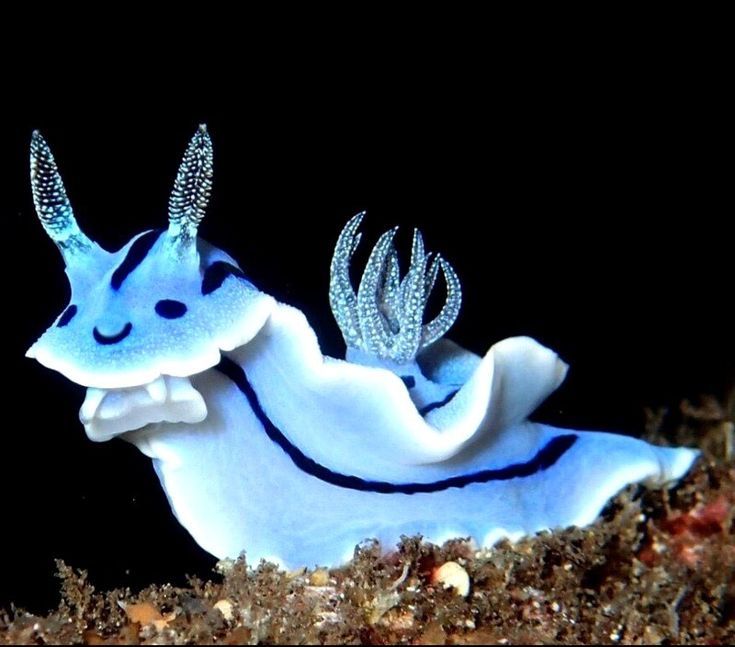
column 385, row 317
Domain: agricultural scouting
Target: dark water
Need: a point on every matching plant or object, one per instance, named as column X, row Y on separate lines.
column 593, row 218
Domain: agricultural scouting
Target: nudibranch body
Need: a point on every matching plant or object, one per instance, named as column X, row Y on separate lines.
column 264, row 445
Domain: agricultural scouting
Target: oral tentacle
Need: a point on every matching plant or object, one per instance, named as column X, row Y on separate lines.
column 91, row 403
column 157, row 390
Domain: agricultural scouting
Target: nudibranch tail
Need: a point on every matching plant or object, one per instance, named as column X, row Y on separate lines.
column 386, row 317
column 192, row 188
column 51, row 202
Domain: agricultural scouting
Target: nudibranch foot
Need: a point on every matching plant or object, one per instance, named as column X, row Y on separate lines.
column 387, row 472
column 271, row 492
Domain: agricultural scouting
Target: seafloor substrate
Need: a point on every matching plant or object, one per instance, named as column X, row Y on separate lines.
column 656, row 567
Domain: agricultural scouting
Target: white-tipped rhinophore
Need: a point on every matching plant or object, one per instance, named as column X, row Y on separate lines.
column 192, row 187
column 51, row 202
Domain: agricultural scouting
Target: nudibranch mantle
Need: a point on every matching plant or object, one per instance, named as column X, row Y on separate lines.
column 264, row 445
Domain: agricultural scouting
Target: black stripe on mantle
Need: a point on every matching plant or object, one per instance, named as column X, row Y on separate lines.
column 135, row 256
column 547, row 456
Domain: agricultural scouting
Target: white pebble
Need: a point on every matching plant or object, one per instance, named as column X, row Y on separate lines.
column 225, row 608
column 453, row 575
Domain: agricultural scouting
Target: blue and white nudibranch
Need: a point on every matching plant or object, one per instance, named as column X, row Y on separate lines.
column 264, row 445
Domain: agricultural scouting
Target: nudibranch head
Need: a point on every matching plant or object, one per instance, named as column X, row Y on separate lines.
column 166, row 304
column 385, row 318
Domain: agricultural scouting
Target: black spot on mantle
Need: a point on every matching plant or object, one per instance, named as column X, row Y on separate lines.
column 546, row 457
column 67, row 316
column 409, row 381
column 170, row 308
column 216, row 273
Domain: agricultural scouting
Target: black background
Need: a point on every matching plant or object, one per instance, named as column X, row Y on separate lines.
column 582, row 196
